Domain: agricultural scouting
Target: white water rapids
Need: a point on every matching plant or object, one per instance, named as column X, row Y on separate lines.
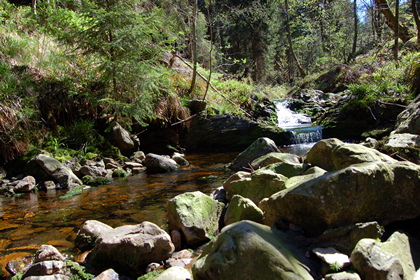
column 305, row 134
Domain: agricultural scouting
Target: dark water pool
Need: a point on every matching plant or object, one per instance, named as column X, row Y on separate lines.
column 28, row 221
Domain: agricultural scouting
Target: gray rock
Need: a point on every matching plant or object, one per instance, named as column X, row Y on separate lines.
column 234, row 177
column 345, row 275
column 48, row 268
column 121, row 138
column 260, row 147
column 157, row 163
column 247, row 250
column 389, row 260
column 345, row 238
column 48, row 253
column 132, row 247
column 331, row 256
column 241, row 208
column 27, row 184
column 48, row 277
column 195, row 215
column 403, row 140
column 63, row 175
column 174, row 273
column 108, row 274
column 89, row 233
column 263, row 183
column 408, row 121
column 274, row 157
column 94, row 171
column 375, row 191
column 333, row 154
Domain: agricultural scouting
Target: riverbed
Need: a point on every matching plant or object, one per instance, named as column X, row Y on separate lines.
column 33, row 219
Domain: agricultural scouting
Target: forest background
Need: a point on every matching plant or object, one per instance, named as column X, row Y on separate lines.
column 69, row 68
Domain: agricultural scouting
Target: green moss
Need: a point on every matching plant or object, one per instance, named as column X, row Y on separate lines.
column 151, row 275
column 72, row 192
column 89, row 180
column 119, row 173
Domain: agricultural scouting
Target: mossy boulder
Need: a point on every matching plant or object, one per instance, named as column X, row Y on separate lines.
column 248, row 250
column 388, row 260
column 333, row 154
column 262, row 183
column 260, row 147
column 195, row 215
column 408, row 121
column 274, row 157
column 287, row 169
column 374, row 191
column 311, row 173
column 241, row 208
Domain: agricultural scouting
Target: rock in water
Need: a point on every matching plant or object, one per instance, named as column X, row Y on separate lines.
column 259, row 148
column 131, row 248
column 63, row 175
column 247, row 250
column 157, row 163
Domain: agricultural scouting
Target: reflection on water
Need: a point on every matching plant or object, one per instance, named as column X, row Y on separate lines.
column 42, row 218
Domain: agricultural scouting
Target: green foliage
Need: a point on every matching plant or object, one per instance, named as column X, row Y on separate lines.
column 151, row 275
column 78, row 271
column 335, row 266
column 72, row 192
column 95, row 181
column 119, row 173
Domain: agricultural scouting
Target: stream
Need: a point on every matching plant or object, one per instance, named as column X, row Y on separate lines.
column 33, row 219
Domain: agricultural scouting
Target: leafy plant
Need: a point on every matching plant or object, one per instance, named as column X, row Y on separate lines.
column 72, row 192
column 335, row 266
column 150, row 275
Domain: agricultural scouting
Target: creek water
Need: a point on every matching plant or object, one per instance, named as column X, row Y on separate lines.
column 28, row 221
column 305, row 133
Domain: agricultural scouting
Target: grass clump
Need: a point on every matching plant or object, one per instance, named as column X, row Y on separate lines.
column 72, row 192
column 96, row 181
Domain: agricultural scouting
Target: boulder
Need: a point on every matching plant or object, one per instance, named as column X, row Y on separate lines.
column 157, row 163
column 236, row 176
column 248, row 250
column 288, row 169
column 131, row 248
column 48, row 253
column 344, row 275
column 403, row 140
column 333, row 154
column 263, row 183
column 260, row 147
column 108, row 274
column 311, row 173
column 274, row 157
column 388, row 260
column 89, row 233
column 345, row 238
column 241, row 208
column 62, row 174
column 58, row 268
column 174, row 273
column 121, row 138
column 229, row 133
column 94, row 171
column 27, row 184
column 374, row 191
column 331, row 257
column 408, row 121
column 195, row 215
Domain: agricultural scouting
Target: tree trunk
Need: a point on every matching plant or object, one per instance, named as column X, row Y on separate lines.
column 356, row 23
column 34, row 6
column 289, row 39
column 194, row 46
column 397, row 26
column 416, row 18
column 392, row 22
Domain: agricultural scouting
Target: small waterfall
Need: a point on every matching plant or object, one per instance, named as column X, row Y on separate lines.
column 304, row 132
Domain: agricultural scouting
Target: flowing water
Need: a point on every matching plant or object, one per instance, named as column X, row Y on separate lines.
column 305, row 133
column 28, row 221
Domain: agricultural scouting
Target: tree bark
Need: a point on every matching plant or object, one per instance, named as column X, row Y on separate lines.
column 416, row 18
column 392, row 22
column 356, row 23
column 397, row 26
column 34, row 6
column 289, row 39
column 194, row 46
